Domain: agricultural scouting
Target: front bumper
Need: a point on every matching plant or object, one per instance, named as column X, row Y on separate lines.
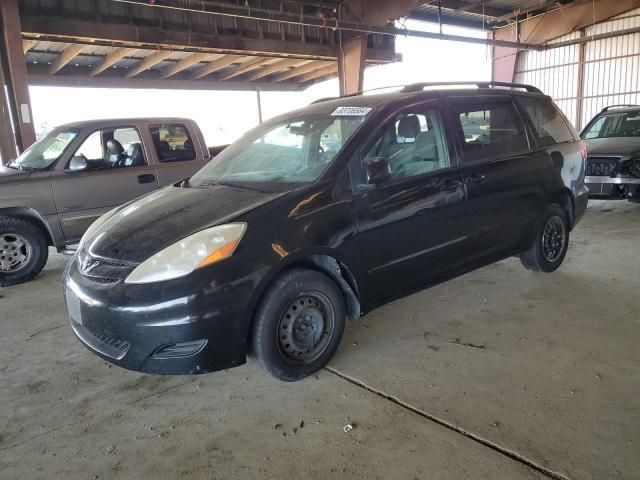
column 182, row 327
column 604, row 185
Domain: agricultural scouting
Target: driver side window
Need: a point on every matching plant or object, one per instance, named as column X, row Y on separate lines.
column 112, row 148
column 413, row 144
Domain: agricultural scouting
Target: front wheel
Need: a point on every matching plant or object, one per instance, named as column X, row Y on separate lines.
column 550, row 243
column 23, row 251
column 298, row 325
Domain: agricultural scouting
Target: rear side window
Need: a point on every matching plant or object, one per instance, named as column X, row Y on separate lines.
column 490, row 130
column 173, row 142
column 548, row 125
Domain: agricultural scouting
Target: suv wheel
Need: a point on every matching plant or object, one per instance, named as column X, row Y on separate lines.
column 550, row 243
column 23, row 251
column 298, row 325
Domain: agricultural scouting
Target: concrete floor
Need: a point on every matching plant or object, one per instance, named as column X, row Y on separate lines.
column 500, row 374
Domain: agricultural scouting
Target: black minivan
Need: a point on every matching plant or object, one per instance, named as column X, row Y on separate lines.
column 320, row 215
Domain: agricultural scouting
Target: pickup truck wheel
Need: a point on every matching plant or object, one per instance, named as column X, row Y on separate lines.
column 23, row 251
column 550, row 243
column 298, row 325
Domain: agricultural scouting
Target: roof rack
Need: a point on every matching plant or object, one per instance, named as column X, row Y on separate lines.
column 624, row 105
column 416, row 87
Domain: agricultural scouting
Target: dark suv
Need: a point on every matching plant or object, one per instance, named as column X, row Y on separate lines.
column 320, row 215
column 613, row 141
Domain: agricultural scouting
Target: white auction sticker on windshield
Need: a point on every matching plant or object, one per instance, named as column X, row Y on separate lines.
column 351, row 111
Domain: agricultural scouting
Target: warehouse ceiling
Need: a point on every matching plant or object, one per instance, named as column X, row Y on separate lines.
column 183, row 44
column 483, row 14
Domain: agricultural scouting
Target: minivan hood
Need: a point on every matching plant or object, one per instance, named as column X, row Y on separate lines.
column 11, row 175
column 615, row 146
column 151, row 223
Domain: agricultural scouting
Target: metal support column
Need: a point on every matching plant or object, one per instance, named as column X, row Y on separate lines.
column 15, row 74
column 259, row 101
column 7, row 140
column 351, row 60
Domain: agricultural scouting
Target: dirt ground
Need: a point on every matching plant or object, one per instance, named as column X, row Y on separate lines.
column 500, row 374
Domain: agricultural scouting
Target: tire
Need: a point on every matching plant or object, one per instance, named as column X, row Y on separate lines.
column 550, row 243
column 286, row 338
column 23, row 251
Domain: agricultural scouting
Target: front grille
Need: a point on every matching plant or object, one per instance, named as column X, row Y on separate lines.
column 103, row 271
column 602, row 166
column 108, row 346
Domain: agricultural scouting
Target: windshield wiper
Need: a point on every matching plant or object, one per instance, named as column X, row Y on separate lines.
column 230, row 185
column 21, row 167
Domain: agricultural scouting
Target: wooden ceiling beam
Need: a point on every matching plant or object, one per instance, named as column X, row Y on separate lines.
column 183, row 64
column 320, row 72
column 148, row 62
column 113, row 57
column 247, row 67
column 294, row 72
column 65, row 57
column 277, row 67
column 215, row 65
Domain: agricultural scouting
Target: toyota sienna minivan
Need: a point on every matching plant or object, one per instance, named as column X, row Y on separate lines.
column 320, row 215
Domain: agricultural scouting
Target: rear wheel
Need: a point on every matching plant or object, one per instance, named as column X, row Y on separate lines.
column 550, row 243
column 23, row 251
column 298, row 325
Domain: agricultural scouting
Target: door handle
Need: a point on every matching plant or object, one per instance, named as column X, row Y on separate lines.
column 475, row 178
column 450, row 185
column 146, row 178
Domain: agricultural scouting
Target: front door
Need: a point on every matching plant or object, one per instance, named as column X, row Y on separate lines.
column 411, row 228
column 118, row 171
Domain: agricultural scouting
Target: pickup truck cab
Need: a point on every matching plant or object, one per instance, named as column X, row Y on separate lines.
column 51, row 193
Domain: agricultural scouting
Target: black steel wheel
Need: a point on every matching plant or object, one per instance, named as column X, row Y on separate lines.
column 298, row 325
column 23, row 251
column 551, row 242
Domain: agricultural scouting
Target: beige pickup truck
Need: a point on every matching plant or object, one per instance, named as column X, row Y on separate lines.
column 51, row 193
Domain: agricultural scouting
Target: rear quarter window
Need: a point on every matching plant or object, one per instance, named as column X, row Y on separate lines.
column 548, row 125
column 173, row 142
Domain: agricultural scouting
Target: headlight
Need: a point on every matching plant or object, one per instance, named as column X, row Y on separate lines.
column 94, row 226
column 196, row 251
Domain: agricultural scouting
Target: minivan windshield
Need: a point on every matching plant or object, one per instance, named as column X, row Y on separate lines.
column 297, row 150
column 42, row 154
column 623, row 124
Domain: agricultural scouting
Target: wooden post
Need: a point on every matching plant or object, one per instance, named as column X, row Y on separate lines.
column 15, row 74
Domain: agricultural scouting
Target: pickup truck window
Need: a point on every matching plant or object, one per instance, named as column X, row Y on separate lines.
column 42, row 154
column 173, row 142
column 113, row 148
column 296, row 150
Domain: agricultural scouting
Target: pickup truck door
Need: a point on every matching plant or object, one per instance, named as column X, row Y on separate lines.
column 179, row 150
column 118, row 171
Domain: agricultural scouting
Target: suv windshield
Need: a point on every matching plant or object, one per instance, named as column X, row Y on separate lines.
column 42, row 154
column 623, row 124
column 295, row 151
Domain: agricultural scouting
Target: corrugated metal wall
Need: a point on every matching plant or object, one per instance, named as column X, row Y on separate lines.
column 611, row 70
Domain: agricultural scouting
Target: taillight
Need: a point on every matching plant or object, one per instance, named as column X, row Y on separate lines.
column 583, row 150
column 585, row 154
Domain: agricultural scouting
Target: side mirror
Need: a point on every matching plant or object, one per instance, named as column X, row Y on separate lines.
column 377, row 170
column 78, row 164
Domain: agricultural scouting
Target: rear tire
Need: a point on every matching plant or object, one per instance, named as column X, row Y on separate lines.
column 550, row 243
column 298, row 325
column 23, row 251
